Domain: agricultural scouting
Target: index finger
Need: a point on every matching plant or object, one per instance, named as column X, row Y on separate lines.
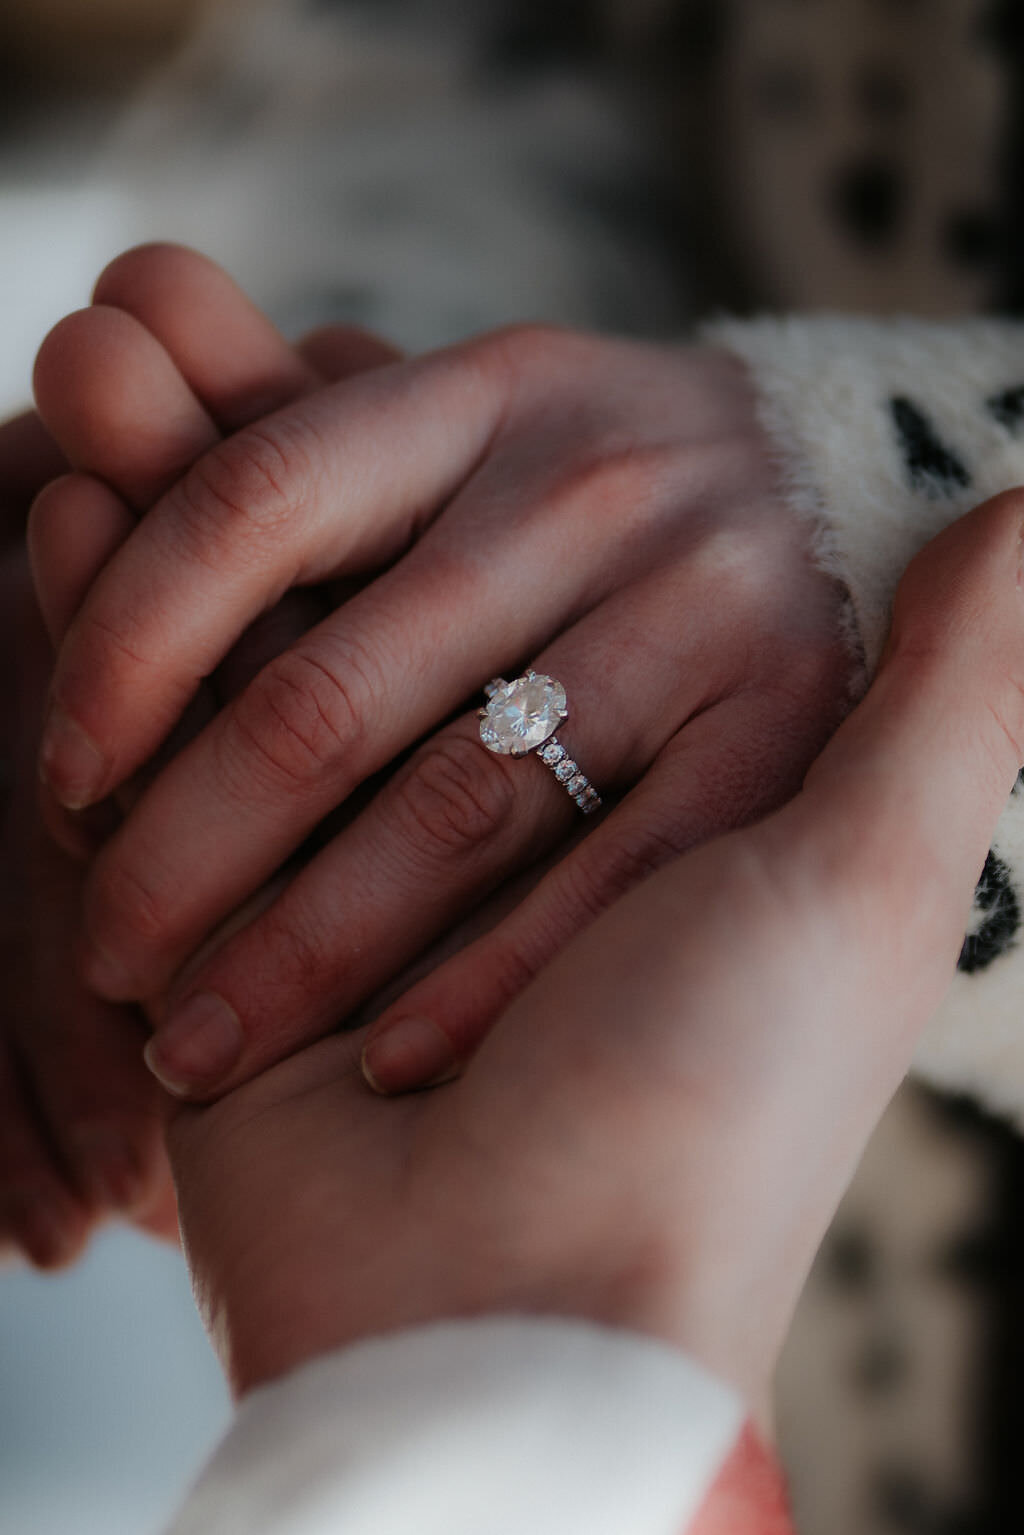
column 337, row 483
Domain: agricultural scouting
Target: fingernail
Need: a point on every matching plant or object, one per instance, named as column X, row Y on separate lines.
column 70, row 761
column 197, row 1047
column 412, row 1052
column 108, row 1168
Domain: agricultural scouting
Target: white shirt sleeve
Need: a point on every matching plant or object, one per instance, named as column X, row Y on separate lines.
column 497, row 1426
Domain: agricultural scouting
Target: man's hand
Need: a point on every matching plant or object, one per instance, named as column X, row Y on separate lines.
column 81, row 1119
column 81, row 1127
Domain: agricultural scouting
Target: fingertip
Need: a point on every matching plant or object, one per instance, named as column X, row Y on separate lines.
column 79, row 835
column 117, row 404
column 340, row 351
column 135, row 273
column 197, row 1047
column 50, row 1230
column 60, row 346
column 408, row 1053
column 967, row 576
column 111, row 1166
column 71, row 764
column 231, row 354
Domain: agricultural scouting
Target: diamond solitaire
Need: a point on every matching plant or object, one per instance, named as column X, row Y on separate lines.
column 523, row 714
column 521, row 717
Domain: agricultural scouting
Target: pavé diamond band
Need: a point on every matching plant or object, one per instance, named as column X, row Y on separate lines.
column 521, row 717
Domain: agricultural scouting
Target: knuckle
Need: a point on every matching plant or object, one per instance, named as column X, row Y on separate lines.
column 521, row 354
column 299, row 949
column 299, row 717
column 247, row 491
column 605, row 868
column 604, row 476
column 57, row 346
column 453, row 798
column 744, row 570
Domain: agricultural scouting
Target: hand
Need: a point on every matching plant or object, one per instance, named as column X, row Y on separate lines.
column 601, row 509
column 80, row 1126
column 657, row 1132
column 81, row 1119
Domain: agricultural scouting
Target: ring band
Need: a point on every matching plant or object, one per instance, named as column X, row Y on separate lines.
column 521, row 717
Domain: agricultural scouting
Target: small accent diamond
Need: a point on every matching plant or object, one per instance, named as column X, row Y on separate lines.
column 577, row 785
column 552, row 753
column 565, row 770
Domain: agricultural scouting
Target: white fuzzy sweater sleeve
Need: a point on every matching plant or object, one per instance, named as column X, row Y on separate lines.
column 885, row 431
column 499, row 1426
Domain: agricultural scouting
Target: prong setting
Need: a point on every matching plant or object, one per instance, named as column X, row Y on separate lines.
column 521, row 717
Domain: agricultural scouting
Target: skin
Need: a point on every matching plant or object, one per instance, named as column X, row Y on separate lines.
column 81, row 1127
column 657, row 1131
column 662, row 1122
column 81, row 1119
column 489, row 481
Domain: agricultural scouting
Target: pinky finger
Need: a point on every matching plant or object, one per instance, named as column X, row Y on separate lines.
column 711, row 778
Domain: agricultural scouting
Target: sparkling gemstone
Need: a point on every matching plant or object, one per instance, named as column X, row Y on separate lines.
column 566, row 769
column 577, row 785
column 522, row 714
column 552, row 753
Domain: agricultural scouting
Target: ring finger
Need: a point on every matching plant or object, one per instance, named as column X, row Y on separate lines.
column 451, row 825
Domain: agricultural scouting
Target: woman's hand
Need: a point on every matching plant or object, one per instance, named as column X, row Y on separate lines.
column 603, row 510
column 656, row 1133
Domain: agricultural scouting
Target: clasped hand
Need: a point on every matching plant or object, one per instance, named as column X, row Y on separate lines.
column 656, row 1131
column 286, row 610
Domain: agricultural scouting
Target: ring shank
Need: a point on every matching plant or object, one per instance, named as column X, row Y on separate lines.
column 575, row 783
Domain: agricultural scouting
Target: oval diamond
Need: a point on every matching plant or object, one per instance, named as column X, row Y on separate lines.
column 521, row 715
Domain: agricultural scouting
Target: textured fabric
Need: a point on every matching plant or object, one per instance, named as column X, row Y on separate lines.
column 497, row 1427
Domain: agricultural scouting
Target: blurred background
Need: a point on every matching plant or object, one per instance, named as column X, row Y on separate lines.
column 433, row 168
column 67, row 70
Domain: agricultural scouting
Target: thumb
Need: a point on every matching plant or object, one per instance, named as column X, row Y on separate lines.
column 903, row 803
column 839, row 918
